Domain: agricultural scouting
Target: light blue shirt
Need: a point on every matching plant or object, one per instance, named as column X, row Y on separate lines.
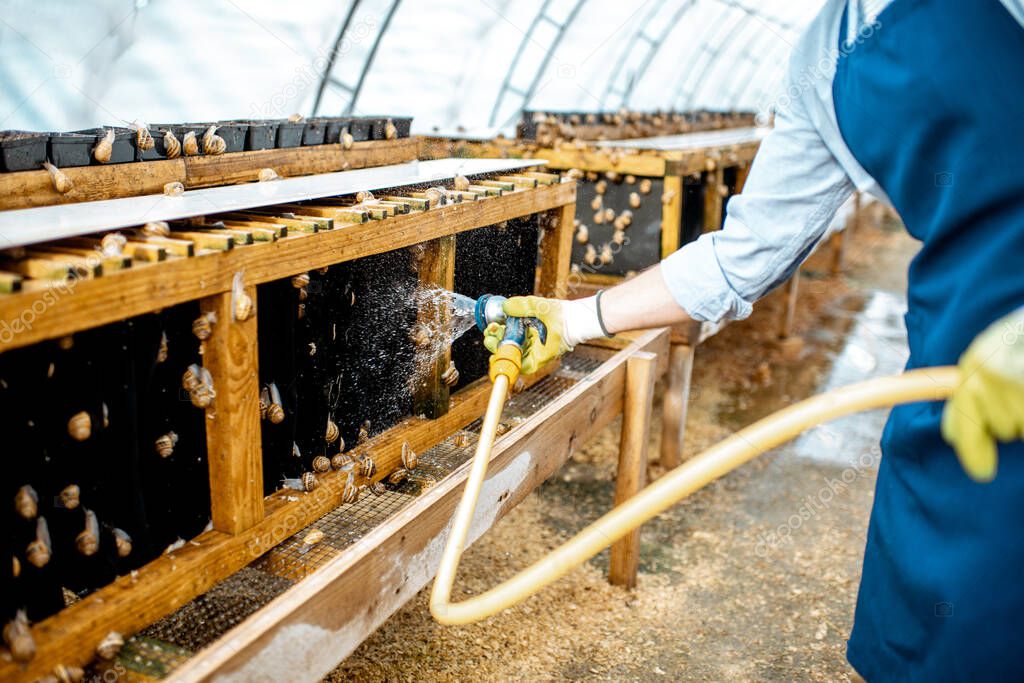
column 802, row 174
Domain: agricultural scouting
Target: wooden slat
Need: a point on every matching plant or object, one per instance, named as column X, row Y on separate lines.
column 593, row 159
column 306, row 631
column 675, row 403
column 148, row 287
column 671, row 215
column 556, row 250
column 713, row 202
column 233, row 419
column 436, row 269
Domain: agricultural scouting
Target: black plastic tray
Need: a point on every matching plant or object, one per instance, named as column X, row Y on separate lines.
column 71, row 149
column 314, row 132
column 22, row 150
column 289, row 133
column 234, row 134
column 124, row 144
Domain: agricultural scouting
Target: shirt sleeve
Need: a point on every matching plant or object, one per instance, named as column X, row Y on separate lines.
column 793, row 191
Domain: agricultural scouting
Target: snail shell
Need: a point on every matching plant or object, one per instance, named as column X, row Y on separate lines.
column 113, row 243
column 435, row 196
column 110, row 645
column 174, row 189
column 80, row 426
column 450, row 376
column 351, row 492
column 606, row 254
column 312, row 537
column 596, row 203
column 88, row 539
column 267, row 174
column 189, row 144
column 420, row 336
column 592, row 175
column 18, row 638
column 601, row 187
column 40, row 549
column 461, row 183
column 60, row 180
column 123, row 543
column 332, row 431
column 26, row 502
column 671, row 194
column 630, row 179
column 618, row 237
column 634, row 200
column 599, row 218
column 165, row 444
column 296, row 118
column 300, row 281
column 574, row 174
column 367, row 466
column 502, row 428
column 71, row 496
column 212, row 143
column 377, row 488
column 275, row 413
column 156, row 229
column 309, row 481
column 612, row 176
column 190, row 379
column 723, row 191
column 243, row 306
column 340, row 461
column 143, row 138
column 398, row 476
column 346, row 139
column 321, row 463
column 15, row 566
column 609, row 215
column 202, row 327
column 172, row 147
column 590, row 255
column 583, row 234
column 364, row 433
column 363, row 196
column 104, row 148
column 390, row 131
column 69, row 674
column 645, row 186
column 409, row 457
column 66, row 343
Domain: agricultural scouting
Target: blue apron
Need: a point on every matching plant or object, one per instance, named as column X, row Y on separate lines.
column 932, row 106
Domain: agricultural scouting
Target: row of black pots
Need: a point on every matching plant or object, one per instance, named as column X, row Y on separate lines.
column 25, row 150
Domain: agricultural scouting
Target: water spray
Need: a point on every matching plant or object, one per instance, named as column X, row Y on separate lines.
column 925, row 384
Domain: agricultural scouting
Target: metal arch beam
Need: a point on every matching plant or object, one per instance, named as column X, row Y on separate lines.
column 653, row 47
column 754, row 76
column 712, row 48
column 753, row 52
column 328, row 79
column 506, row 84
column 703, row 54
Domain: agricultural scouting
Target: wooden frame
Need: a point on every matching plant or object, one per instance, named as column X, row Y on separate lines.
column 337, row 606
column 245, row 523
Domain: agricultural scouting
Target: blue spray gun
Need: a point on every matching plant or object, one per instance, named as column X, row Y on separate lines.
column 508, row 359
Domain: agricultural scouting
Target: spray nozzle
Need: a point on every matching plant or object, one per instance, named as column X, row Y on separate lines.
column 490, row 309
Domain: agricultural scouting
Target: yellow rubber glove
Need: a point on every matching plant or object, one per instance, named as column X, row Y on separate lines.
column 568, row 323
column 988, row 406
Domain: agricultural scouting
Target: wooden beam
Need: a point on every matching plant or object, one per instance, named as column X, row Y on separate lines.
column 345, row 600
column 144, row 288
column 631, row 475
column 25, row 189
column 671, row 214
column 789, row 308
column 233, row 443
column 713, row 201
column 556, row 250
column 837, row 242
column 600, row 160
column 674, row 404
column 436, row 269
column 742, row 171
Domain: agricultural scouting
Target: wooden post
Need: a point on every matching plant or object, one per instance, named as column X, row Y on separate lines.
column 789, row 311
column 437, row 268
column 671, row 214
column 641, row 370
column 858, row 206
column 713, row 201
column 674, row 404
column 837, row 242
column 742, row 171
column 556, row 251
column 233, row 441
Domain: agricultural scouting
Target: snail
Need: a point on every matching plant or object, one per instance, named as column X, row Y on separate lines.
column 599, row 218
column 68, row 674
column 606, row 254
column 165, row 444
column 612, row 176
column 300, row 281
column 15, row 566
column 574, row 174
column 66, row 343
column 123, row 542
column 332, row 431
column 112, row 244
column 420, row 335
column 202, row 327
column 156, row 229
column 667, row 197
column 296, row 118
column 723, row 191
column 367, row 466
column 626, row 217
column 213, row 143
column 346, row 139
column 590, row 255
column 88, row 539
column 460, row 440
column 583, row 234
column 321, row 464
column 266, row 175
column 309, row 481
column 189, row 144
column 377, row 488
column 364, row 196
column 312, row 537
column 351, row 492
column 630, row 179
column 18, row 637
column 409, row 458
column 592, row 176
column 143, row 138
column 270, row 404
column 618, row 237
column 60, row 180
column 398, row 476
column 340, row 461
column 634, row 200
column 174, row 189
column 461, row 183
column 40, row 550
column 26, row 502
column 172, row 148
column 80, row 426
column 609, row 215
column 243, row 306
column 601, row 187
column 104, row 149
column 596, row 203
column 450, row 376
column 110, row 645
column 502, row 428
column 434, row 196
column 364, row 433
column 70, row 496
column 198, row 382
column 645, row 186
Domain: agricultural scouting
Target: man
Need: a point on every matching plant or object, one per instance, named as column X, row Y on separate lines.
column 920, row 102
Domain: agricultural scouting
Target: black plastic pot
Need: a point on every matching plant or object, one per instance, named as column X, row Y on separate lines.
column 314, row 132
column 71, row 149
column 403, row 124
column 22, row 150
column 360, row 128
column 332, row 129
column 289, row 133
column 258, row 134
column 234, row 133
column 158, row 130
column 123, row 148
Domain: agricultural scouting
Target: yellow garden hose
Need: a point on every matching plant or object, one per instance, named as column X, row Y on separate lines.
column 927, row 384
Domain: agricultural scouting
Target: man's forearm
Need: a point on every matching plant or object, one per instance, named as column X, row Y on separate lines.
column 642, row 302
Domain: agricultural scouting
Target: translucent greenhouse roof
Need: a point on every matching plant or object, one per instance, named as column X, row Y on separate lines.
column 474, row 64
